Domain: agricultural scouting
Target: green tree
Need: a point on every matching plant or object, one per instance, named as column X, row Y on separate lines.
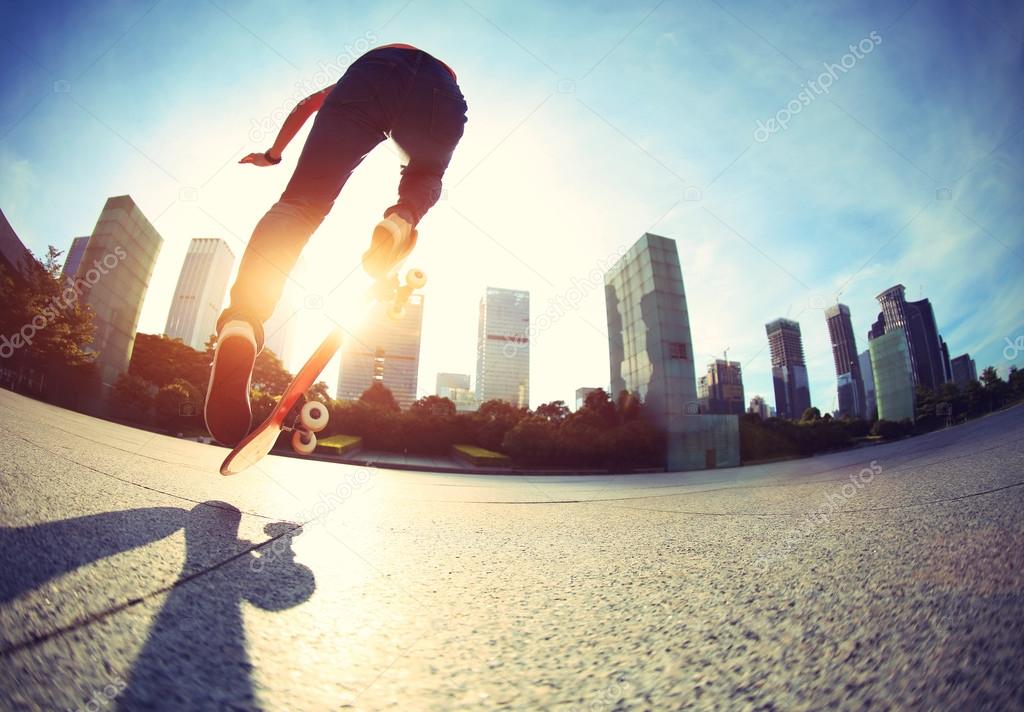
column 379, row 396
column 132, row 397
column 555, row 411
column 810, row 414
column 161, row 360
column 599, row 403
column 178, row 405
column 433, row 406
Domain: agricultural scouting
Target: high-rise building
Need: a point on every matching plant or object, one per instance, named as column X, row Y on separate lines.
column 385, row 351
column 455, row 387
column 870, row 405
column 964, row 370
column 199, row 296
column 503, row 347
column 852, row 399
column 917, row 321
column 116, row 267
column 651, row 355
column 759, row 407
column 789, row 372
column 720, row 392
column 894, row 379
column 74, row 257
column 13, row 253
column 947, row 367
column 581, row 395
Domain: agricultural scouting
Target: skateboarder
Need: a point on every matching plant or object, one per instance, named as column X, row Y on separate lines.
column 394, row 91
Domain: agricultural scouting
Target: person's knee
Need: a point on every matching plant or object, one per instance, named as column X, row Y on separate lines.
column 309, row 212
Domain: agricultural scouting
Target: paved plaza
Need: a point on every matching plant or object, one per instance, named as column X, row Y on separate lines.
column 134, row 576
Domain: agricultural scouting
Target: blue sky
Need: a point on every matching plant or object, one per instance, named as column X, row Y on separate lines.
column 588, row 126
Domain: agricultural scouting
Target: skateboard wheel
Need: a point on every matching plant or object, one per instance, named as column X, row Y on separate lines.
column 396, row 312
column 314, row 416
column 303, row 442
column 416, row 278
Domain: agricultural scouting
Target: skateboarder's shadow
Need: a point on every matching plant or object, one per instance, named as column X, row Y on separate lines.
column 195, row 653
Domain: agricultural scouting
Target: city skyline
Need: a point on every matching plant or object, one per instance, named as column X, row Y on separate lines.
column 802, row 221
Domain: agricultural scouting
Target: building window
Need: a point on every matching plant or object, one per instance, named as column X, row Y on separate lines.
column 677, row 349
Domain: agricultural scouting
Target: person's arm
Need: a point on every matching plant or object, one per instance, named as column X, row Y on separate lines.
column 302, row 111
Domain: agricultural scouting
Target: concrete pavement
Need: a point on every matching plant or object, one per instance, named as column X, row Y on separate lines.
column 136, row 577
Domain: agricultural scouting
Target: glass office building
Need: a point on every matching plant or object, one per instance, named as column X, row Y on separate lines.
column 651, row 354
column 386, row 351
column 893, row 374
column 503, row 347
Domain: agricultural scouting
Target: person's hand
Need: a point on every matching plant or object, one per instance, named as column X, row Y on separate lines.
column 259, row 159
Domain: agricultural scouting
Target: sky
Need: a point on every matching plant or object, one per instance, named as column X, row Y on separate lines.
column 797, row 152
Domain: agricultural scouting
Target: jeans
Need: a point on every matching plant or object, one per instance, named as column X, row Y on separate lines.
column 403, row 94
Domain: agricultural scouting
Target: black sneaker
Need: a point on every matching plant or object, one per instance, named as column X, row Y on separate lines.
column 228, row 413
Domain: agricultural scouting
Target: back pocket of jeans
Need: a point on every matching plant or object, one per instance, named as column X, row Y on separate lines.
column 447, row 116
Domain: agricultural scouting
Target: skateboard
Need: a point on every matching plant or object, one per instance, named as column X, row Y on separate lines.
column 393, row 294
column 311, row 418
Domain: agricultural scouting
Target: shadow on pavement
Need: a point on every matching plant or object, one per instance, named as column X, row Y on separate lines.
column 195, row 654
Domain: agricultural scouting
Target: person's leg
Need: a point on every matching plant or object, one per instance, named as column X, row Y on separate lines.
column 428, row 127
column 347, row 127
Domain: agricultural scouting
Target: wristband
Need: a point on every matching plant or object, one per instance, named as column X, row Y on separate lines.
column 266, row 154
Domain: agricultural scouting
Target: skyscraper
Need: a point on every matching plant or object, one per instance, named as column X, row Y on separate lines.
column 721, row 390
column 582, row 393
column 651, row 355
column 503, row 347
column 852, row 399
column 455, row 387
column 894, row 380
column 759, row 407
column 917, row 321
column 74, row 258
column 13, row 253
column 789, row 372
column 199, row 296
column 964, row 370
column 870, row 404
column 117, row 265
column 386, row 351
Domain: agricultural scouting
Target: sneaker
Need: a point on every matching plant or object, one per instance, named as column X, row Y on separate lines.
column 392, row 241
column 228, row 413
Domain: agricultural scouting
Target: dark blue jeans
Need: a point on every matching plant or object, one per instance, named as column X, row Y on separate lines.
column 403, row 94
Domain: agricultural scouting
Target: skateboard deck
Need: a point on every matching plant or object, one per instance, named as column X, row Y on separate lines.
column 257, row 444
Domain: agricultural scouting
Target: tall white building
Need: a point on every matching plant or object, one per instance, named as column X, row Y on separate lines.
column 503, row 347
column 385, row 351
column 199, row 296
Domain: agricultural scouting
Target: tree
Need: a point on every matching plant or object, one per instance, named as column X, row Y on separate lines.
column 379, row 396
column 178, row 405
column 433, row 406
column 161, row 360
column 269, row 374
column 600, row 404
column 810, row 415
column 43, row 324
column 555, row 411
column 132, row 397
